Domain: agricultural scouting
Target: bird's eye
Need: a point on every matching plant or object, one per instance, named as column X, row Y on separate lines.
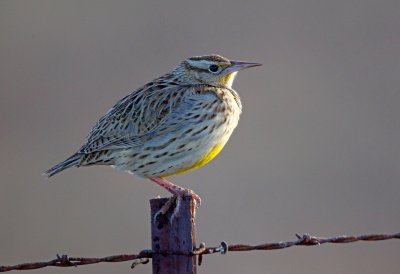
column 213, row 68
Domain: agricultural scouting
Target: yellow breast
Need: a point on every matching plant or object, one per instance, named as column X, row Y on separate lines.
column 204, row 160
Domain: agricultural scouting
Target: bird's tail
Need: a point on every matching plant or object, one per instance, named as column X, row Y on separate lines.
column 71, row 161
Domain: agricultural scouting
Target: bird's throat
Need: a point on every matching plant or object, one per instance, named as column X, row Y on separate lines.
column 227, row 80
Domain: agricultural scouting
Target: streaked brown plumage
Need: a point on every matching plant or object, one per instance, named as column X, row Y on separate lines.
column 177, row 122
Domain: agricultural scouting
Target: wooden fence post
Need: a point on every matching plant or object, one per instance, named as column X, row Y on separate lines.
column 177, row 236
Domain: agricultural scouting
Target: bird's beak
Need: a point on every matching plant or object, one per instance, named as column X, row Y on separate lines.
column 239, row 65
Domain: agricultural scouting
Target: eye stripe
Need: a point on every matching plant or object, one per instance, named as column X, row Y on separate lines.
column 188, row 66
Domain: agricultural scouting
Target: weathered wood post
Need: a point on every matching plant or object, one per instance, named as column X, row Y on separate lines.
column 177, row 236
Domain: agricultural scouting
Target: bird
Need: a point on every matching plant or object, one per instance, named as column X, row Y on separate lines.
column 174, row 123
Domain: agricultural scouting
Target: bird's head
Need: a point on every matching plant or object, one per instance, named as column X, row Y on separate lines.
column 211, row 70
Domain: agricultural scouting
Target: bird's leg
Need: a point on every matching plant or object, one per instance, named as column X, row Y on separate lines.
column 178, row 192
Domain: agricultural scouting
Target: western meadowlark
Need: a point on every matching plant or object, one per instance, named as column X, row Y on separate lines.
column 175, row 123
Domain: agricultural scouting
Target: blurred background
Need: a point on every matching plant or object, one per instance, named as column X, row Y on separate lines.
column 317, row 149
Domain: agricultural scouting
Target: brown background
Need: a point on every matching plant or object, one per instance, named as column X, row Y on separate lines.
column 317, row 149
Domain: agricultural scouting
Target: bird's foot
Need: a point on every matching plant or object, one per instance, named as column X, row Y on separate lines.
column 162, row 213
column 179, row 193
column 175, row 203
column 185, row 192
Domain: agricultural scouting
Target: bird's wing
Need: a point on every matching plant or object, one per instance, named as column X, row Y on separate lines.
column 135, row 118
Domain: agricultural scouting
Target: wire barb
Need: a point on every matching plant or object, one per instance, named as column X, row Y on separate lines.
column 144, row 255
column 139, row 261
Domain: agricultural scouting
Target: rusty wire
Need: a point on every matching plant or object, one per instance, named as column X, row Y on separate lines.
column 144, row 256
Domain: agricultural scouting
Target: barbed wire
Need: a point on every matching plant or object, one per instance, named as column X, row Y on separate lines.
column 144, row 255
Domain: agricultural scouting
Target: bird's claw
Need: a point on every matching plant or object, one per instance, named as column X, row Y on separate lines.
column 162, row 213
column 177, row 200
column 196, row 198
